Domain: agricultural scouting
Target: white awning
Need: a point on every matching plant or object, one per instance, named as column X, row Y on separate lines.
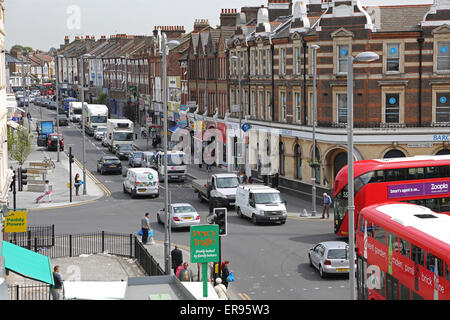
column 94, row 290
column 13, row 124
column 21, row 110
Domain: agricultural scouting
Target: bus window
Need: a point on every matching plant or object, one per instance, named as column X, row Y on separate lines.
column 393, row 241
column 447, row 272
column 391, row 288
column 405, row 293
column 378, row 176
column 415, row 173
column 370, row 229
column 415, row 296
column 432, row 172
column 444, row 171
column 444, row 205
column 417, row 254
column 379, row 234
column 431, row 264
column 404, row 248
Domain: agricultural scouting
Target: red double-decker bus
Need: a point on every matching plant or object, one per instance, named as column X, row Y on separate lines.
column 47, row 89
column 403, row 253
column 422, row 180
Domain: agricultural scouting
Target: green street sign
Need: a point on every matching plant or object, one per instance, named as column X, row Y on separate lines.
column 204, row 243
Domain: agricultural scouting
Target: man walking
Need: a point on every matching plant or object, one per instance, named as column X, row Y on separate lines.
column 326, row 205
column 56, row 290
column 145, row 226
column 177, row 258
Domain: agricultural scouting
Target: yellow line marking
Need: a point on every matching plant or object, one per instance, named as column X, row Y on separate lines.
column 248, row 298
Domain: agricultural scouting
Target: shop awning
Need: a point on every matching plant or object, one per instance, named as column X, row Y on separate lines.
column 27, row 263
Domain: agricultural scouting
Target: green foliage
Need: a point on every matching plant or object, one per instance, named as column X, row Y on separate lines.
column 20, row 144
column 102, row 98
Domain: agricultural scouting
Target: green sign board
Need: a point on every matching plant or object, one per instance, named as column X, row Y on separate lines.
column 204, row 243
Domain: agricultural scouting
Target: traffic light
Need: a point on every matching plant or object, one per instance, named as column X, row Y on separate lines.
column 22, row 179
column 71, row 158
column 220, row 218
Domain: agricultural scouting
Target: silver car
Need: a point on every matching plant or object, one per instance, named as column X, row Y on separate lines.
column 330, row 257
column 182, row 215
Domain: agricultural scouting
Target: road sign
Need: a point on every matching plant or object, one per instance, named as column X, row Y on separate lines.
column 16, row 221
column 246, row 126
column 204, row 243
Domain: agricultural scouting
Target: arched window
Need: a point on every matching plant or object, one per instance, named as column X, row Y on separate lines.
column 339, row 161
column 282, row 157
column 394, row 154
column 298, row 161
column 443, row 152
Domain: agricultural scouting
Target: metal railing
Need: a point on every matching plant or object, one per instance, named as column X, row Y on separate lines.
column 67, row 245
column 40, row 236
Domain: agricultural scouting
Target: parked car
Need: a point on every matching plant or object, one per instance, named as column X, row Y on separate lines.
column 330, row 257
column 182, row 215
column 141, row 181
column 122, row 151
column 104, row 141
column 62, row 119
column 135, row 159
column 109, row 164
column 99, row 132
column 52, row 142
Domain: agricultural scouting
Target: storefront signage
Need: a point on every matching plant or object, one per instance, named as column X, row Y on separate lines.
column 16, row 221
column 204, row 243
column 418, row 189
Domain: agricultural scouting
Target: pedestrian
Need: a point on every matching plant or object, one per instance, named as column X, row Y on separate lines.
column 185, row 274
column 275, row 180
column 177, row 273
column 326, row 205
column 225, row 269
column 242, row 177
column 47, row 193
column 77, row 184
column 146, row 228
column 220, row 289
column 177, row 258
column 56, row 290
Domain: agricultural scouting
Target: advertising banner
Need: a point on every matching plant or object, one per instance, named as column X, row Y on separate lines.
column 16, row 221
column 418, row 189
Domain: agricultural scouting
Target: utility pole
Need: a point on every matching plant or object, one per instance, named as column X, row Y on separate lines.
column 83, row 124
column 57, row 116
column 314, row 109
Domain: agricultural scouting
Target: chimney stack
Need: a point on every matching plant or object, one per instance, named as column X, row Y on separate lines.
column 172, row 32
column 66, row 40
column 228, row 17
column 279, row 8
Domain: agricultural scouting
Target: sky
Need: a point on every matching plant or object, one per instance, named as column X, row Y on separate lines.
column 42, row 24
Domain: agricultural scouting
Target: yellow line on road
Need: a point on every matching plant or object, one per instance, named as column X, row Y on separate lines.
column 244, row 296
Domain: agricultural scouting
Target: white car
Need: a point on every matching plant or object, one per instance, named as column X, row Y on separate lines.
column 99, row 132
column 182, row 215
column 330, row 257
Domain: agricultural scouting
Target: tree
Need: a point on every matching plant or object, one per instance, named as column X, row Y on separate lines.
column 20, row 144
column 102, row 98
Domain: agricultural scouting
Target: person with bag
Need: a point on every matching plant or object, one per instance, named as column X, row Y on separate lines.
column 177, row 258
column 78, row 183
column 47, row 193
column 326, row 205
column 227, row 275
column 145, row 228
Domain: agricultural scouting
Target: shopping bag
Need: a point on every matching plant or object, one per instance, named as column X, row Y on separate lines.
column 150, row 233
column 230, row 277
column 81, row 182
column 140, row 232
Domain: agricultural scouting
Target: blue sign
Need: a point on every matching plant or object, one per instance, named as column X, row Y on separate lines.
column 246, row 127
column 443, row 99
column 183, row 107
column 344, row 52
column 392, row 100
column 444, row 49
column 393, row 50
column 47, row 127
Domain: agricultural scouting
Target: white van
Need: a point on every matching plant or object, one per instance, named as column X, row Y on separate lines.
column 141, row 182
column 260, row 203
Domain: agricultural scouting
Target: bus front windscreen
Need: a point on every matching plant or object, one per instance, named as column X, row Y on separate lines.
column 98, row 119
column 123, row 136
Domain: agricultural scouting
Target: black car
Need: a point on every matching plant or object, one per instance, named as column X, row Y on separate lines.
column 63, row 120
column 122, row 151
column 109, row 164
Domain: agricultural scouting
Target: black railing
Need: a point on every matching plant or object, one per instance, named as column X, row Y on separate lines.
column 36, row 236
column 126, row 245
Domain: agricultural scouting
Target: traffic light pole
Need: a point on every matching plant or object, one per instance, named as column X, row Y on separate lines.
column 70, row 173
column 14, row 190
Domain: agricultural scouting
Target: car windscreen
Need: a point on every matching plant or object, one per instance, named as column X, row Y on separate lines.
column 183, row 209
column 125, row 147
column 337, row 254
column 98, row 119
column 101, row 129
column 231, row 182
column 112, row 161
column 77, row 111
column 123, row 136
column 266, row 198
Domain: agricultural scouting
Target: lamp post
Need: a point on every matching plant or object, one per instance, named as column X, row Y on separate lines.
column 314, row 48
column 238, row 58
column 362, row 57
column 83, row 119
column 57, row 115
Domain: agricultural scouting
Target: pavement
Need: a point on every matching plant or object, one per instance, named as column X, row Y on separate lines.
column 297, row 206
column 58, row 179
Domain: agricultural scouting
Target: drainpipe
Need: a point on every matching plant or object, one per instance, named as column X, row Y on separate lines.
column 420, row 40
column 305, row 116
column 272, row 51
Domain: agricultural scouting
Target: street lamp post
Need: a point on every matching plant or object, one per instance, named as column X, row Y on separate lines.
column 314, row 48
column 238, row 58
column 83, row 119
column 57, row 114
column 362, row 57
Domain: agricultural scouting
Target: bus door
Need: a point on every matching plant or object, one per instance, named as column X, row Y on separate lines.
column 361, row 281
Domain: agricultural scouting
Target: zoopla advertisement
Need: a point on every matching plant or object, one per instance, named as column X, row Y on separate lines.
column 418, row 189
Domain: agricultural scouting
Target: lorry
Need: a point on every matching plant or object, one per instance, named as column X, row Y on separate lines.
column 75, row 111
column 176, row 167
column 260, row 203
column 94, row 115
column 219, row 189
column 119, row 131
